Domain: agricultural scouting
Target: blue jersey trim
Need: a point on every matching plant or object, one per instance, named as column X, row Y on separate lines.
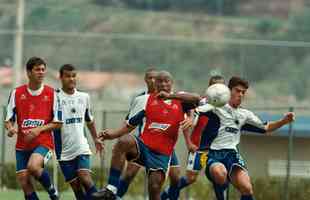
column 58, row 143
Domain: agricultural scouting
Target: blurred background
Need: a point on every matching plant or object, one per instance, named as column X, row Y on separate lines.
column 112, row 43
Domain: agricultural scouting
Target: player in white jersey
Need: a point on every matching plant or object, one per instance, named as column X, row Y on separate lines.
column 222, row 135
column 71, row 145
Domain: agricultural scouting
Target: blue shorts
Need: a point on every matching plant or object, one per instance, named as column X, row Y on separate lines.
column 22, row 157
column 197, row 160
column 151, row 160
column 228, row 157
column 174, row 160
column 71, row 167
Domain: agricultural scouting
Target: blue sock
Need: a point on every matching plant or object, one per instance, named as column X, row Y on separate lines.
column 183, row 182
column 79, row 195
column 122, row 187
column 164, row 195
column 45, row 181
column 219, row 191
column 32, row 196
column 90, row 191
column 173, row 192
column 246, row 197
column 114, row 177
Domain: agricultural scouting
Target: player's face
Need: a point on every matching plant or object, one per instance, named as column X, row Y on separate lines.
column 37, row 74
column 237, row 95
column 68, row 79
column 150, row 80
column 163, row 83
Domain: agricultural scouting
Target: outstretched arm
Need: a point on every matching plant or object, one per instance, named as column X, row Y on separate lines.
column 182, row 96
column 110, row 134
column 92, row 129
column 274, row 125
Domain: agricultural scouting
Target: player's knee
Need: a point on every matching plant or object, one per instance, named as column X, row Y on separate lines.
column 219, row 176
column 34, row 169
column 75, row 185
column 22, row 180
column 155, row 187
column 85, row 178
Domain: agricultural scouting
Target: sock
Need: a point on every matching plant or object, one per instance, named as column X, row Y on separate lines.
column 183, row 182
column 90, row 191
column 122, row 187
column 32, row 196
column 164, row 194
column 45, row 181
column 113, row 181
column 219, row 191
column 79, row 195
column 173, row 192
column 246, row 197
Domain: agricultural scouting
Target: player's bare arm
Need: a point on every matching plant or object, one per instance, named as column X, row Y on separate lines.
column 92, row 129
column 9, row 125
column 30, row 134
column 287, row 118
column 184, row 96
column 110, row 134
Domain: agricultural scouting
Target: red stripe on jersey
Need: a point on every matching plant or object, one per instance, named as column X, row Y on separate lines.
column 33, row 111
column 198, row 129
column 162, row 124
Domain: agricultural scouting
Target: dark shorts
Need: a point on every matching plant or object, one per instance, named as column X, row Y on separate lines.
column 228, row 157
column 151, row 160
column 71, row 167
column 174, row 162
column 22, row 157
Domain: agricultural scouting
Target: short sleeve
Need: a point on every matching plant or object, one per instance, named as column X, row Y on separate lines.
column 88, row 112
column 137, row 111
column 253, row 123
column 57, row 109
column 11, row 108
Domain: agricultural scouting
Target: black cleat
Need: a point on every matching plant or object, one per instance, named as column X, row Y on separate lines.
column 104, row 194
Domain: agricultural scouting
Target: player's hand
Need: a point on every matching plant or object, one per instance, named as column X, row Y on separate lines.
column 192, row 148
column 30, row 134
column 289, row 117
column 105, row 134
column 163, row 95
column 12, row 131
column 99, row 145
column 187, row 123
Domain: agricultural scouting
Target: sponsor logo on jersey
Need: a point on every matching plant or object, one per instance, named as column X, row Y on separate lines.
column 231, row 130
column 74, row 120
column 32, row 123
column 155, row 125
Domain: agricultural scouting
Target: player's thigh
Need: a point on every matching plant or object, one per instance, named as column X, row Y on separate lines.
column 38, row 158
column 192, row 176
column 127, row 144
column 174, row 174
column 217, row 173
column 156, row 180
column 241, row 180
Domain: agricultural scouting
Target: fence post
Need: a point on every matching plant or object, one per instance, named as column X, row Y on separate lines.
column 289, row 158
column 2, row 148
column 102, row 164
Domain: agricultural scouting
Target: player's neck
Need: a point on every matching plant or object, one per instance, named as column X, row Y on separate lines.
column 34, row 86
column 233, row 104
column 68, row 90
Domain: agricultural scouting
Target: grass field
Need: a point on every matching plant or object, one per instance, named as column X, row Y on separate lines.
column 18, row 195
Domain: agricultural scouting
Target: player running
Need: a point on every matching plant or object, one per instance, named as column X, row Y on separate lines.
column 35, row 109
column 71, row 145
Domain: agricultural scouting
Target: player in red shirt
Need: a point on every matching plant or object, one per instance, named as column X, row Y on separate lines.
column 154, row 147
column 34, row 108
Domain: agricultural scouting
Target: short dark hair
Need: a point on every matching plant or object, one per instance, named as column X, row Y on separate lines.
column 215, row 78
column 235, row 81
column 66, row 67
column 34, row 61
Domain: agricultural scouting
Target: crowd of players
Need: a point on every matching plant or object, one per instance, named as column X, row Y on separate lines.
column 157, row 115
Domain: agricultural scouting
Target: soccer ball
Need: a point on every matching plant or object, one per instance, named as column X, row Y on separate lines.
column 218, row 94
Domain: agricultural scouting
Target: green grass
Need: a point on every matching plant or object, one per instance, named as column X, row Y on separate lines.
column 18, row 195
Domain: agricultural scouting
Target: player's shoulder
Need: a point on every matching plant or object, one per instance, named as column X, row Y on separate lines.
column 82, row 93
column 49, row 88
column 142, row 97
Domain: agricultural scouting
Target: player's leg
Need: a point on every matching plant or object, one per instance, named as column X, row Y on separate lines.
column 35, row 167
column 84, row 174
column 23, row 176
column 156, row 180
column 69, row 170
column 130, row 172
column 241, row 180
column 125, row 147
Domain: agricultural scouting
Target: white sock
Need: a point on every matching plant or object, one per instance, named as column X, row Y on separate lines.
column 112, row 188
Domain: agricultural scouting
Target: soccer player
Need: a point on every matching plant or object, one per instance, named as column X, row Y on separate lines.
column 222, row 135
column 197, row 158
column 154, row 147
column 34, row 106
column 71, row 145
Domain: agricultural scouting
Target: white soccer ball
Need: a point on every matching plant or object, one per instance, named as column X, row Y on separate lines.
column 218, row 94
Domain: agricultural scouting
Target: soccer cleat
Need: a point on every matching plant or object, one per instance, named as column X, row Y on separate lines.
column 104, row 194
